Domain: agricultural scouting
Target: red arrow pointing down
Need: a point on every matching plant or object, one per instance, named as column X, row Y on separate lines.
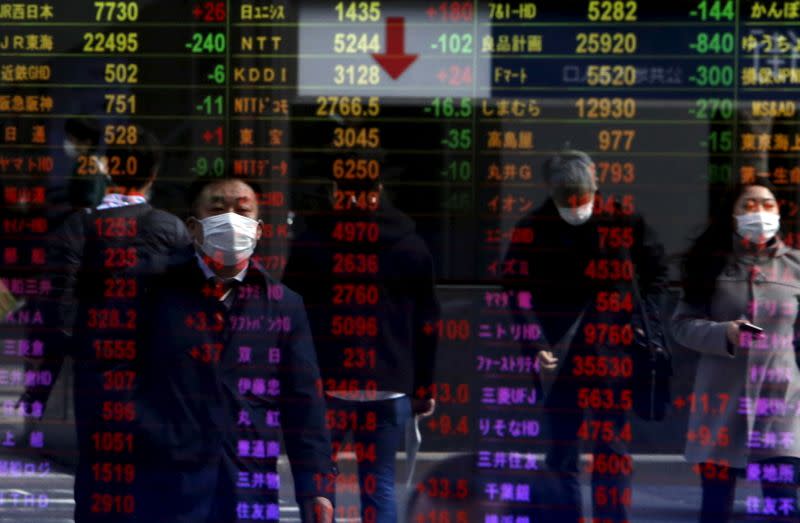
column 395, row 61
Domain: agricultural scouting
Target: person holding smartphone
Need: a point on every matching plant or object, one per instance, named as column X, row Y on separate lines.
column 739, row 310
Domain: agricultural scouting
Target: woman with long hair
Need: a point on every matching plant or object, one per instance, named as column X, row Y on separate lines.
column 739, row 311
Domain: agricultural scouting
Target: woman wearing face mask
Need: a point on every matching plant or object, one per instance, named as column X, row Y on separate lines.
column 743, row 419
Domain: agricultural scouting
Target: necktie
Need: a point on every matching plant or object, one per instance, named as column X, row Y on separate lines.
column 224, row 292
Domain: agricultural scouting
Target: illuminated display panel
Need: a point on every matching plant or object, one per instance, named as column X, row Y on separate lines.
column 447, row 112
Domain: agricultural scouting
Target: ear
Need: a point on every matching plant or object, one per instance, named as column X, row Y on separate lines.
column 259, row 230
column 195, row 229
column 593, row 172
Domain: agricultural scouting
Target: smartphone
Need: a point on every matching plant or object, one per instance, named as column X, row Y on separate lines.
column 749, row 327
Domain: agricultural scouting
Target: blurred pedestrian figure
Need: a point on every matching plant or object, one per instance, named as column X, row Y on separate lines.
column 580, row 270
column 368, row 283
column 97, row 261
column 739, row 310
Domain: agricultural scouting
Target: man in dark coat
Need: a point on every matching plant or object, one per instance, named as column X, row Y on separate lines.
column 230, row 365
column 98, row 259
column 586, row 250
column 367, row 279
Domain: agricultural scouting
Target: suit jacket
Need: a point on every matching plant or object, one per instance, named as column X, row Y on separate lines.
column 402, row 275
column 221, row 380
column 567, row 267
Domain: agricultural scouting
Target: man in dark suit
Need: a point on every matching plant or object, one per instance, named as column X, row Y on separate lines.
column 98, row 260
column 579, row 271
column 377, row 377
column 230, row 365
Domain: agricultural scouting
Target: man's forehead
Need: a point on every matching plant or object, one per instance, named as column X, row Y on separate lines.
column 229, row 191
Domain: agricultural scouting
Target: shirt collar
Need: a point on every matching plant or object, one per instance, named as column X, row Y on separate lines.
column 112, row 200
column 209, row 274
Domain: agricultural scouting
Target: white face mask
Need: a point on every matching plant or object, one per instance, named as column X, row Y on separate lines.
column 758, row 227
column 577, row 215
column 229, row 238
column 69, row 148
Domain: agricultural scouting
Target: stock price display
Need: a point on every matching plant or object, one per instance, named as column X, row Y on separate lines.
column 445, row 110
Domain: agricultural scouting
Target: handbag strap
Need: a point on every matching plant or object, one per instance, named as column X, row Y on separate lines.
column 646, row 326
column 637, row 295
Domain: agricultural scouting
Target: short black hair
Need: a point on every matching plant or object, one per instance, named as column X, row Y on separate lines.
column 706, row 258
column 83, row 129
column 132, row 166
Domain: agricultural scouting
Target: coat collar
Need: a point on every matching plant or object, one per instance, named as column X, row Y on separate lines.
column 753, row 255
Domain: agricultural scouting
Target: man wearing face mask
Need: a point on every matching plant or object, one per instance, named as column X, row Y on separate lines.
column 89, row 180
column 576, row 232
column 230, row 366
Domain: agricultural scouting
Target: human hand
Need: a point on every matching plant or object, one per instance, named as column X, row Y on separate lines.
column 319, row 510
column 424, row 407
column 547, row 360
column 732, row 331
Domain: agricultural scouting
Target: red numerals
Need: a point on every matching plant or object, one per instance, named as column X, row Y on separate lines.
column 703, row 403
column 613, row 205
column 445, row 425
column 603, row 333
column 611, row 366
column 120, row 288
column 113, row 441
column 359, row 294
column 615, row 237
column 201, row 322
column 442, row 516
column 356, row 232
column 210, row 12
column 118, row 411
column 111, row 319
column 348, row 420
column 354, row 325
column 449, row 329
column 120, row 257
column 446, row 393
column 709, row 470
column 352, row 385
column 119, row 380
column 451, row 11
column 444, row 488
column 107, row 503
column 614, row 302
column 362, row 452
column 346, row 200
column 612, row 496
column 605, row 399
column 609, row 270
column 359, row 358
column 207, row 352
column 611, row 464
column 595, row 430
column 114, row 472
column 355, row 263
column 116, row 227
column 706, row 437
column 114, row 349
